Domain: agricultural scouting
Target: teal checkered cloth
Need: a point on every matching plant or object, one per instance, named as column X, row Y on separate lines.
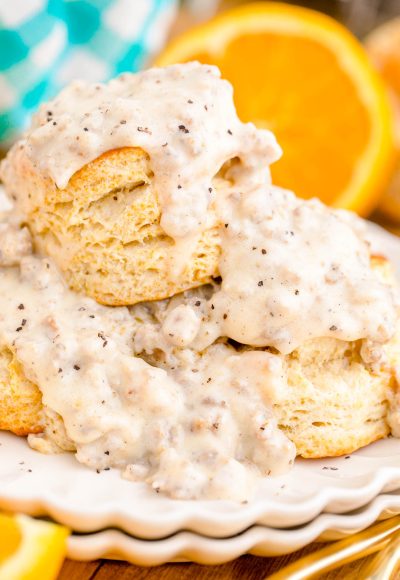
column 46, row 43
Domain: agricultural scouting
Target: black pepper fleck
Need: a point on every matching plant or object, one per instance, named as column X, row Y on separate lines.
column 183, row 129
column 333, row 327
column 260, row 283
column 103, row 338
column 21, row 307
column 77, row 367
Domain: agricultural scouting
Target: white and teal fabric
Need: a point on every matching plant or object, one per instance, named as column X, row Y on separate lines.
column 46, row 43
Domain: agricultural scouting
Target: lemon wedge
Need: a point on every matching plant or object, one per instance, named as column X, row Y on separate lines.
column 30, row 549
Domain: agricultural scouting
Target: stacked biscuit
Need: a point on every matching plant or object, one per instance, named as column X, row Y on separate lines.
column 104, row 231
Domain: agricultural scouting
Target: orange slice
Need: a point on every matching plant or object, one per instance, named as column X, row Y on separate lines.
column 305, row 77
column 383, row 46
column 30, row 549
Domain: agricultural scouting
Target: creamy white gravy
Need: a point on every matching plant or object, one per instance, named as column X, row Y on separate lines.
column 294, row 270
column 203, row 429
column 183, row 116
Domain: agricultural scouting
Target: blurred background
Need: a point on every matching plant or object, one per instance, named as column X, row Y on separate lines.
column 360, row 16
column 332, row 99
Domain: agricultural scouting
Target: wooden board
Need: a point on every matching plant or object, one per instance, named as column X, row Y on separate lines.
column 244, row 568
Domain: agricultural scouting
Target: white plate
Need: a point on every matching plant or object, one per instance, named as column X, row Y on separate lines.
column 258, row 540
column 58, row 486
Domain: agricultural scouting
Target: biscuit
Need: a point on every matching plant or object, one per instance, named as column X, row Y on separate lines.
column 334, row 404
column 103, row 230
column 20, row 400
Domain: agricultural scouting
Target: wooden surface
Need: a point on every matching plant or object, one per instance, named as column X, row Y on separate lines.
column 244, row 568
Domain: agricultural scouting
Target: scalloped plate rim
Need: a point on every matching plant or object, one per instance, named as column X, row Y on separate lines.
column 257, row 540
